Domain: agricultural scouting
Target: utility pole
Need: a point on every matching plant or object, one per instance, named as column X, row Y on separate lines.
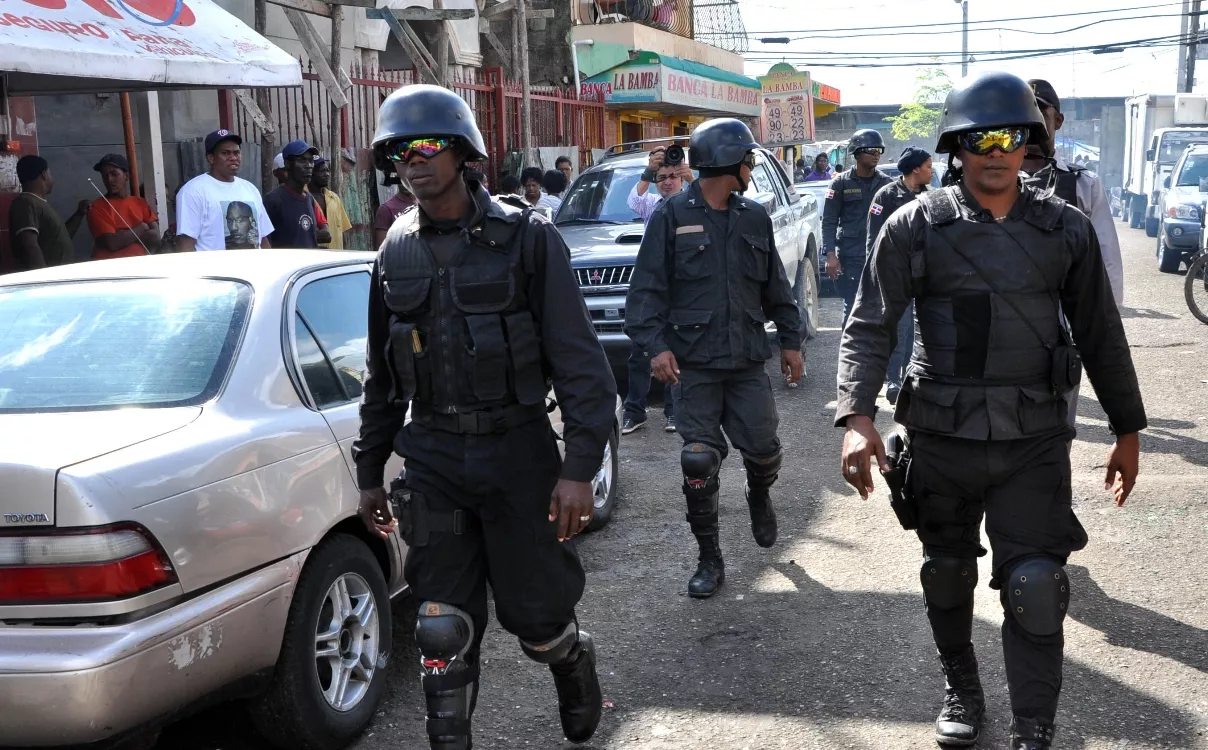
column 1184, row 28
column 964, row 39
column 1192, row 41
column 336, row 160
column 526, row 104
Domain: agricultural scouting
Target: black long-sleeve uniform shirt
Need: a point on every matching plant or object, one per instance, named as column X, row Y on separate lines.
column 571, row 354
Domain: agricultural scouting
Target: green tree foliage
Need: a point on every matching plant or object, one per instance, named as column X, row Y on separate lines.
column 920, row 118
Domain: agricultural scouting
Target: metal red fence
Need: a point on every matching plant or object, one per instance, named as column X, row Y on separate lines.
column 559, row 117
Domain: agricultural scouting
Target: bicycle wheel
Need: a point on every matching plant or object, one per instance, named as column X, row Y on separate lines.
column 1195, row 288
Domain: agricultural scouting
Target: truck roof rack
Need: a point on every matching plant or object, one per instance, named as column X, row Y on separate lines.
column 628, row 147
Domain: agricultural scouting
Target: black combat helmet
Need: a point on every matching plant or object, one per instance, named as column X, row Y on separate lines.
column 867, row 138
column 992, row 100
column 722, row 142
column 422, row 110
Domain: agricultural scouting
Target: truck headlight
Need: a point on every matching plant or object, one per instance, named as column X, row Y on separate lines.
column 1184, row 211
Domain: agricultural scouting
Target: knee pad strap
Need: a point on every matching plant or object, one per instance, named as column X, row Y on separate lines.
column 948, row 582
column 554, row 651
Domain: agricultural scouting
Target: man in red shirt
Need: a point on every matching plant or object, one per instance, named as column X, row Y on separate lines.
column 122, row 225
column 393, row 208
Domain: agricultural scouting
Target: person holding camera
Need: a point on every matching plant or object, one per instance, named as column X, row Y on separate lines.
column 707, row 279
column 669, row 171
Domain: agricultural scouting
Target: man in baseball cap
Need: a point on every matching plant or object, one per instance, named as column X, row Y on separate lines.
column 122, row 225
column 298, row 220
column 204, row 202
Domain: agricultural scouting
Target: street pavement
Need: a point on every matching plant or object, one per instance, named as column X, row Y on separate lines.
column 821, row 642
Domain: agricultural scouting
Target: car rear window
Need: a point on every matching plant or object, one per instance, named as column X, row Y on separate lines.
column 84, row 345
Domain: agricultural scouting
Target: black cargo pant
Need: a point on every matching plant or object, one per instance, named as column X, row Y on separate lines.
column 737, row 401
column 503, row 483
column 1022, row 488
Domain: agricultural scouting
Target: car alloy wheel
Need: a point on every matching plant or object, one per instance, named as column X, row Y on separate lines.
column 601, row 484
column 346, row 641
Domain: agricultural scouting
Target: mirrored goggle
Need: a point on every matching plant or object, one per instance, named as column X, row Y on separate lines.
column 982, row 142
column 749, row 160
column 402, row 151
column 870, row 150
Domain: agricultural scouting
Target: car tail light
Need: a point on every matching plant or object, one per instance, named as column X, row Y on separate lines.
column 85, row 565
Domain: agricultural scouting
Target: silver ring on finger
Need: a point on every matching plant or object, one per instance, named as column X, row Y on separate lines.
column 852, row 469
column 584, row 519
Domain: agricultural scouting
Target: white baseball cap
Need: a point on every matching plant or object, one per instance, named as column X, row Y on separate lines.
column 279, row 162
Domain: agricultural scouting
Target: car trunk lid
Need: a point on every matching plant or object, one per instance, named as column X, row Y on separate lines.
column 34, row 446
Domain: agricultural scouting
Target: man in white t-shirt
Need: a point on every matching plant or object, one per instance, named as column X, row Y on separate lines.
column 219, row 211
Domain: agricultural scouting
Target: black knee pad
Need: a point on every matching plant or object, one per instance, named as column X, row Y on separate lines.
column 700, row 464
column 443, row 632
column 1036, row 594
column 948, row 582
column 555, row 651
column 762, row 472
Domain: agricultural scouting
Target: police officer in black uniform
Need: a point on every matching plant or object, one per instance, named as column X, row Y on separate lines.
column 473, row 312
column 845, row 215
column 989, row 263
column 708, row 278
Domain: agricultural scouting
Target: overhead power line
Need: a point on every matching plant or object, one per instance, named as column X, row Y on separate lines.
column 972, row 22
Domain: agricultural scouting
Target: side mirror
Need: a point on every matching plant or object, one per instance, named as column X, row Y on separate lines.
column 1149, row 155
column 767, row 200
column 1166, row 182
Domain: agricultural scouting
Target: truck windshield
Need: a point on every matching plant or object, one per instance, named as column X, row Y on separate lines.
column 1175, row 142
column 602, row 197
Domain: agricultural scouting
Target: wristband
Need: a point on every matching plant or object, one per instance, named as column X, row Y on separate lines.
column 648, row 175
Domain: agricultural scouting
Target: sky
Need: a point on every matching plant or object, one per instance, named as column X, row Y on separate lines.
column 1133, row 71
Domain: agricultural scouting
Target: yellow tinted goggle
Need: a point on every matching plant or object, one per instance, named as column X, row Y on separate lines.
column 982, row 142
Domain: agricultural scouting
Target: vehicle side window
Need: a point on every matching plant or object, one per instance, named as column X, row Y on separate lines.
column 761, row 182
column 331, row 325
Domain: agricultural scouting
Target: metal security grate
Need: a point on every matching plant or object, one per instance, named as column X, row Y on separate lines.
column 604, row 276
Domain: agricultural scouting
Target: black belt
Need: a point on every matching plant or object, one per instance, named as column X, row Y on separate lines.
column 480, row 422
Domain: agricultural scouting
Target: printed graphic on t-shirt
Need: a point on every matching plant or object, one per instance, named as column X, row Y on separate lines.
column 305, row 222
column 241, row 230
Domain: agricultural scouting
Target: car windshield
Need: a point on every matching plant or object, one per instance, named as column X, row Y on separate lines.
column 1195, row 170
column 601, row 197
column 106, row 344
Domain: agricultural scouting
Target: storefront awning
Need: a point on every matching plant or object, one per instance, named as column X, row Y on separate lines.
column 668, row 84
column 66, row 46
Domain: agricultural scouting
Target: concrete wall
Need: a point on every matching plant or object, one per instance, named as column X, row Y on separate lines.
column 550, row 62
column 609, row 37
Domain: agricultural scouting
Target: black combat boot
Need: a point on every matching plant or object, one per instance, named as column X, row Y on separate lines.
column 1031, row 734
column 761, row 475
column 580, row 701
column 572, row 660
column 711, row 571
column 959, row 722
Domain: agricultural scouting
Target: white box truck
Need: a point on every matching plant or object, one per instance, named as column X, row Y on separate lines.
column 1157, row 129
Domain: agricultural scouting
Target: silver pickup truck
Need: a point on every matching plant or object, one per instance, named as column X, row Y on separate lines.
column 604, row 236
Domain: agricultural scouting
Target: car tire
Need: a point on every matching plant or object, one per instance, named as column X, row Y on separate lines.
column 604, row 485
column 295, row 713
column 1169, row 258
column 805, row 289
column 1151, row 227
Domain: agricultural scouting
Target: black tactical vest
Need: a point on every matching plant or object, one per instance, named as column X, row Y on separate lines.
column 462, row 337
column 977, row 370
column 1064, row 185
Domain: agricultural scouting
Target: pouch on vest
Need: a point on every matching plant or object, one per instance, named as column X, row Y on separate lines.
column 400, row 359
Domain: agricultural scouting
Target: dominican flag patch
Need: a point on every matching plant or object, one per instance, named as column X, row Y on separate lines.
column 877, row 208
column 830, row 194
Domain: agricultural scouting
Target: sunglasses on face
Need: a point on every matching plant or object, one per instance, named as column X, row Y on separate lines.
column 872, row 150
column 666, row 177
column 982, row 142
column 402, row 151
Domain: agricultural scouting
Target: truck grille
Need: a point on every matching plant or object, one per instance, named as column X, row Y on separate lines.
column 604, row 276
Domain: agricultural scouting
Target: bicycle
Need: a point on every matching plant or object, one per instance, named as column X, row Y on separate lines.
column 1195, row 286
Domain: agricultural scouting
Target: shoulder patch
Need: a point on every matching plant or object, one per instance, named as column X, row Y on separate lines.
column 830, row 193
column 876, row 209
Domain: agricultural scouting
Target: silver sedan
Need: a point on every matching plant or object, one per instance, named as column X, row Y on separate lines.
column 177, row 497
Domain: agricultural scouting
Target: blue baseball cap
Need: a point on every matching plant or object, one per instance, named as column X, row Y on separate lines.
column 218, row 136
column 297, row 148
